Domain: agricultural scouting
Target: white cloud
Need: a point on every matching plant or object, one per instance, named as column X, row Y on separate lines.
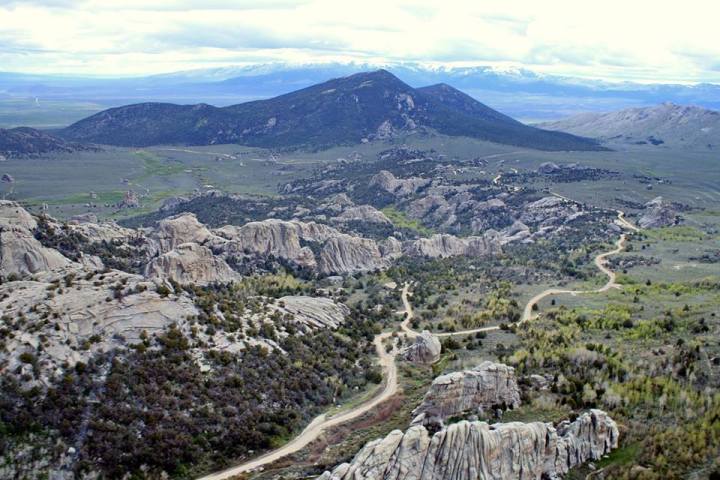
column 636, row 39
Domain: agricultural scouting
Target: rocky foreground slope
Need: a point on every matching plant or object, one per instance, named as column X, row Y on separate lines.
column 75, row 290
column 477, row 450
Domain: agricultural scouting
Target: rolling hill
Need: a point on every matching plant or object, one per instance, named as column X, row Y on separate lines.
column 341, row 111
column 667, row 124
column 28, row 142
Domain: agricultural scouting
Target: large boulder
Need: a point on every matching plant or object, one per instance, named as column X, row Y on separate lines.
column 425, row 350
column 489, row 385
column 657, row 214
column 176, row 230
column 21, row 254
column 477, row 450
column 363, row 213
column 190, row 263
column 549, row 168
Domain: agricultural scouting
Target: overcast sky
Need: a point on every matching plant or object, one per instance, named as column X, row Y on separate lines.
column 660, row 40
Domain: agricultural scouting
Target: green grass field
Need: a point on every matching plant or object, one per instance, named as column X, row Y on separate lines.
column 65, row 181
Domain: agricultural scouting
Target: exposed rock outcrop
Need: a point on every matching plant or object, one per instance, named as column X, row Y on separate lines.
column 431, row 207
column 549, row 211
column 425, row 350
column 13, row 215
column 105, row 232
column 173, row 231
column 472, row 450
column 657, row 214
column 345, row 253
column 313, row 312
column 398, row 186
column 363, row 213
column 444, row 245
column 89, row 309
column 391, row 248
column 548, row 168
column 190, row 263
column 130, row 200
column 473, row 391
column 517, row 232
column 20, row 252
column 279, row 238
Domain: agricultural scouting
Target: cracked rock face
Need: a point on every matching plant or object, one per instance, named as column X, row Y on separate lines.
column 471, row 391
column 345, row 253
column 279, row 238
column 477, row 450
column 426, row 349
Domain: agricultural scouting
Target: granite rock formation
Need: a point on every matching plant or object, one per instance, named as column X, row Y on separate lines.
column 190, row 263
column 476, row 391
column 20, row 253
column 444, row 245
column 426, row 349
column 657, row 214
column 477, row 450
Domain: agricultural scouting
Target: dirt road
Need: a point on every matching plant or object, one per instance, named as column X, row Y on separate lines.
column 322, row 422
column 600, row 263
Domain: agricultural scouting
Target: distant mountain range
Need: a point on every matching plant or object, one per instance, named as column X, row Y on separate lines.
column 662, row 125
column 520, row 93
column 342, row 111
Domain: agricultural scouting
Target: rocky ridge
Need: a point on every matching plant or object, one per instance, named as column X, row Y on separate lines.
column 661, row 125
column 471, row 450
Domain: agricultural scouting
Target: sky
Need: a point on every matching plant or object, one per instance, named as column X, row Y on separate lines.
column 648, row 41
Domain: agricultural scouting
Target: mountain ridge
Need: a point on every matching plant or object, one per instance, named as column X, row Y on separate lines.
column 667, row 124
column 341, row 111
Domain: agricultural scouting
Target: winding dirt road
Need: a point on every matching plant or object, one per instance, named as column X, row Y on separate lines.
column 322, row 422
column 600, row 263
column 389, row 367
